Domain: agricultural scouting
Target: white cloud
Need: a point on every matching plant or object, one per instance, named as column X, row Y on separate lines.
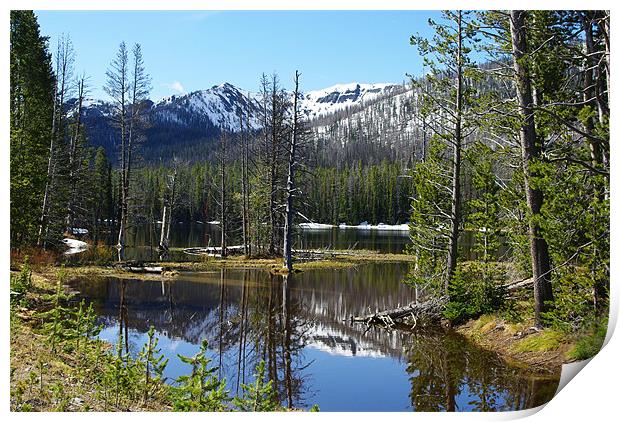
column 176, row 86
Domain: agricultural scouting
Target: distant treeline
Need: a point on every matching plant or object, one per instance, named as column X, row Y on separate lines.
column 352, row 194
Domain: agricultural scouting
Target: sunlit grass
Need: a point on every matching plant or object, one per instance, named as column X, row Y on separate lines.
column 546, row 340
column 588, row 345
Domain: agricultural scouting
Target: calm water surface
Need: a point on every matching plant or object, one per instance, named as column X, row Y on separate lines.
column 299, row 326
column 142, row 240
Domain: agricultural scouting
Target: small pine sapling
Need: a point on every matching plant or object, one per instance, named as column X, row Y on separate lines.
column 202, row 390
column 259, row 396
column 154, row 364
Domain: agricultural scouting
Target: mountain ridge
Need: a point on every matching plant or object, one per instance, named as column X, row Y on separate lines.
column 197, row 118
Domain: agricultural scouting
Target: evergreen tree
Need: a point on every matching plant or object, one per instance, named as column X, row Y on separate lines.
column 446, row 99
column 31, row 110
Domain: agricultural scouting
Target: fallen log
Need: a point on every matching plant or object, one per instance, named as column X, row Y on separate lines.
column 139, row 267
column 147, row 270
column 427, row 311
column 307, row 254
column 519, row 284
column 213, row 250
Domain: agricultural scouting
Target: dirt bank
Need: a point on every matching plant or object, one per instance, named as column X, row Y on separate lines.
column 543, row 351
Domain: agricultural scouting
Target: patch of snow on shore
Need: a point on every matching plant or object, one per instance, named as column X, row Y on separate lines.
column 362, row 226
column 75, row 246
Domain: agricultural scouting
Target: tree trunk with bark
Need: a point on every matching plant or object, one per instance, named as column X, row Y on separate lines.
column 455, row 211
column 531, row 151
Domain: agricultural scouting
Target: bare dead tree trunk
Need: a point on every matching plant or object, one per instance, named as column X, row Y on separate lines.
column 163, row 240
column 275, row 141
column 122, row 87
column 74, row 167
column 244, row 222
column 64, row 68
column 290, row 183
column 172, row 201
column 117, row 87
column 223, row 209
column 589, row 94
column 50, row 160
column 603, row 68
column 246, row 197
column 604, row 25
column 531, row 150
column 166, row 219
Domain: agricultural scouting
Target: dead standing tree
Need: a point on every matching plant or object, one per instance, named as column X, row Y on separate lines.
column 293, row 163
column 117, row 87
column 269, row 160
column 223, row 186
column 75, row 148
column 169, row 201
column 65, row 58
column 128, row 85
column 245, row 183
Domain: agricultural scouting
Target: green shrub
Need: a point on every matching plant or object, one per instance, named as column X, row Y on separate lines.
column 475, row 289
column 573, row 307
column 57, row 323
column 154, row 365
column 21, row 284
column 589, row 345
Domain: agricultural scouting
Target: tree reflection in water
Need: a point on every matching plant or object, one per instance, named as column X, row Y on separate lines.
column 298, row 324
column 448, row 373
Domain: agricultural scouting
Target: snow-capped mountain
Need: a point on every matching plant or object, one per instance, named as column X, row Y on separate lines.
column 220, row 105
column 195, row 119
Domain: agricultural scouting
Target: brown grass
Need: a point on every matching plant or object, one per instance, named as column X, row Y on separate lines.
column 36, row 256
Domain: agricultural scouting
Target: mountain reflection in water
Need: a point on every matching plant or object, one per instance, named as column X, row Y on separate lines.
column 299, row 326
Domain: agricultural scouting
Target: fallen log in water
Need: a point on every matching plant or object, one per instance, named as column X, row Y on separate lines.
column 318, row 254
column 427, row 311
column 139, row 267
column 148, row 270
column 213, row 250
column 302, row 254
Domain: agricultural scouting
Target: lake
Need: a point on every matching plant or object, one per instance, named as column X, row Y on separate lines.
column 142, row 240
column 299, row 325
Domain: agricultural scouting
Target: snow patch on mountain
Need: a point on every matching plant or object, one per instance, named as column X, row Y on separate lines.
column 339, row 97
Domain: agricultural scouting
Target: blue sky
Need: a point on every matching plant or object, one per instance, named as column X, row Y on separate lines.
column 191, row 50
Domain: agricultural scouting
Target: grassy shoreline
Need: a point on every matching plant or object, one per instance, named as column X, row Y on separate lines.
column 541, row 350
column 61, row 380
